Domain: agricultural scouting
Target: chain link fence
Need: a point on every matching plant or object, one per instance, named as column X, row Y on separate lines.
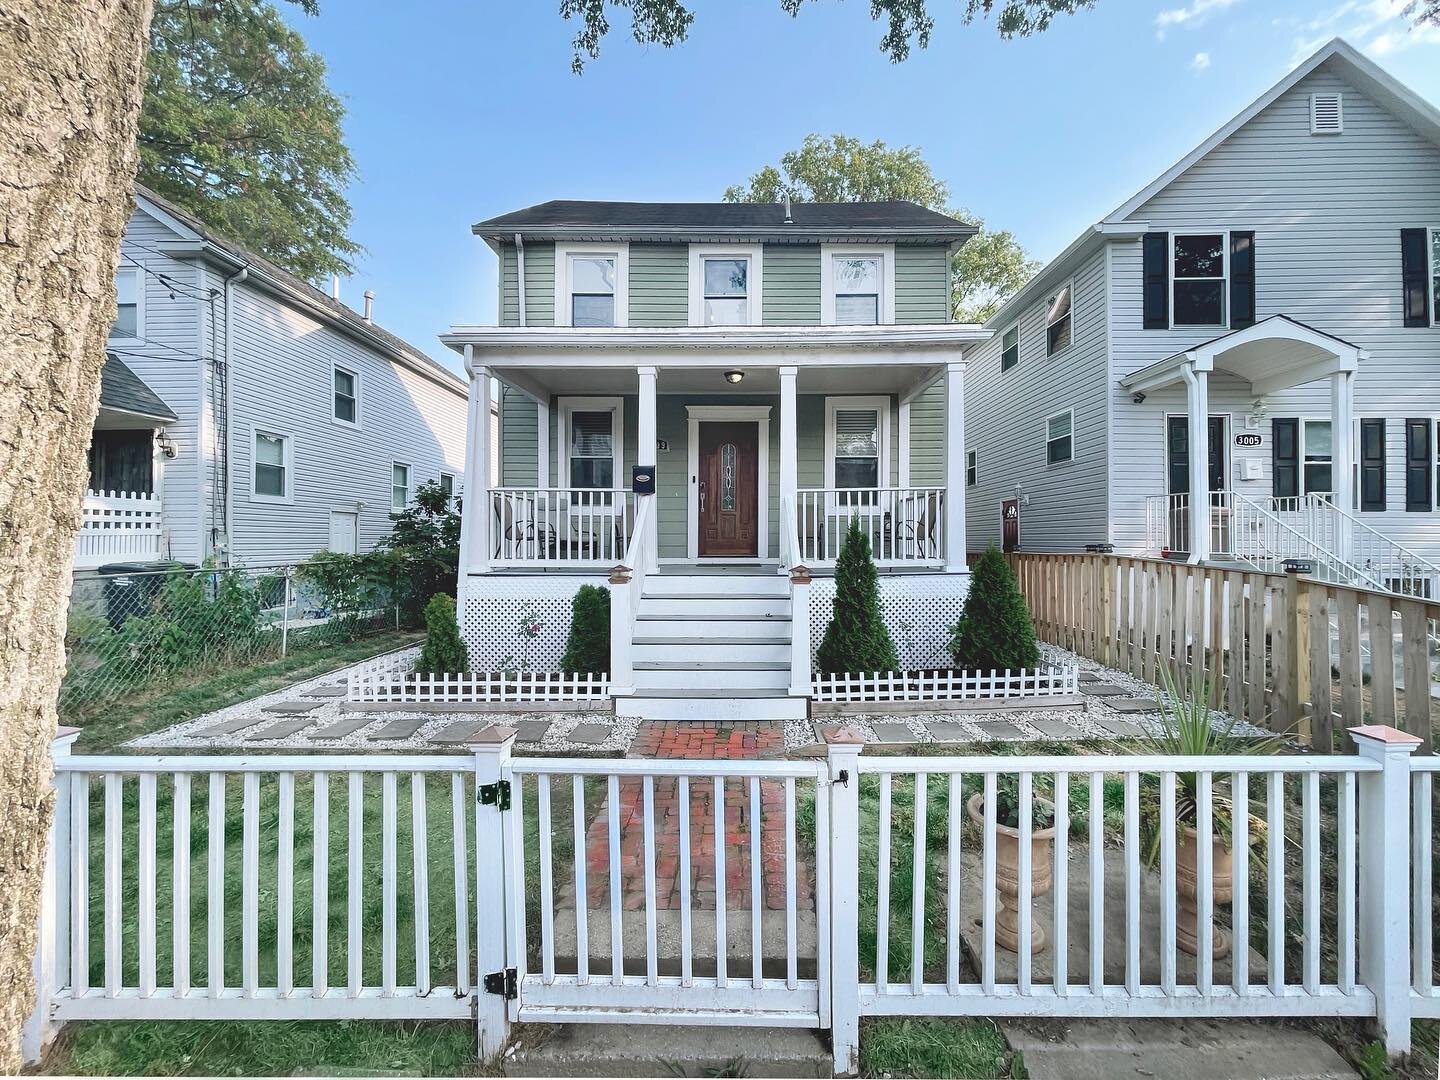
column 135, row 630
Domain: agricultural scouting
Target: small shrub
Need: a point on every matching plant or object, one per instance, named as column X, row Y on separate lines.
column 443, row 651
column 994, row 630
column 856, row 638
column 587, row 649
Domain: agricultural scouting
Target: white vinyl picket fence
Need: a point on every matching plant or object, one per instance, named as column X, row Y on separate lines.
column 844, row 886
column 486, row 686
column 944, row 685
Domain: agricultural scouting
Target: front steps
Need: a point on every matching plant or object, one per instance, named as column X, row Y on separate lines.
column 708, row 647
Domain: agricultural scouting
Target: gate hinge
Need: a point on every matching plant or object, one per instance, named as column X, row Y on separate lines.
column 496, row 794
column 502, row 983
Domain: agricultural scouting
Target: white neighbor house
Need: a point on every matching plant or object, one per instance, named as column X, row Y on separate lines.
column 770, row 373
column 324, row 425
column 1258, row 325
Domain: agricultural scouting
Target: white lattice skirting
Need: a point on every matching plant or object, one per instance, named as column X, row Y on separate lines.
column 919, row 610
column 945, row 685
column 497, row 608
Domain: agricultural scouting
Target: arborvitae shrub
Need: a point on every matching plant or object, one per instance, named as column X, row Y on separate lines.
column 588, row 647
column 994, row 630
column 443, row 651
column 856, row 639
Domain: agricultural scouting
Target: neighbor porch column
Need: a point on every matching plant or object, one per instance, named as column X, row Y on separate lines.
column 475, row 521
column 1342, row 453
column 1197, row 394
column 955, row 467
column 789, row 452
column 542, row 444
column 646, row 452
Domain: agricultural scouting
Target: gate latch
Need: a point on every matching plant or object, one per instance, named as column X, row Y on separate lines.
column 496, row 794
column 502, row 983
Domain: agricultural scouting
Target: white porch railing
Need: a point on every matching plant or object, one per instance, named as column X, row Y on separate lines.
column 561, row 526
column 792, row 563
column 906, row 525
column 118, row 526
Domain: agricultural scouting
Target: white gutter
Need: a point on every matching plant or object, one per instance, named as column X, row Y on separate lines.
column 230, row 282
column 520, row 275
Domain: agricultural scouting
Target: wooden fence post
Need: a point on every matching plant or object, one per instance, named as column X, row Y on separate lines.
column 495, row 914
column 843, row 755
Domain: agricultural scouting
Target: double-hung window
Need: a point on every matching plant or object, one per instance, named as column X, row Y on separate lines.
column 1198, row 281
column 399, row 486
column 127, row 304
column 591, row 444
column 1316, row 450
column 592, row 290
column 447, row 485
column 857, row 443
column 857, row 290
column 1435, row 277
column 725, row 284
column 972, row 471
column 345, row 406
column 1010, row 348
column 271, row 481
column 1060, row 438
column 1059, row 321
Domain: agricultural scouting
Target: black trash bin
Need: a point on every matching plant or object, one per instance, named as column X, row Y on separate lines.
column 130, row 588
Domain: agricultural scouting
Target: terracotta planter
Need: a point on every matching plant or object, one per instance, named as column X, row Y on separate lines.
column 1187, row 889
column 1007, row 874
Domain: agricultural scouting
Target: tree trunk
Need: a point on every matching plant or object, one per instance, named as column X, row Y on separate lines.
column 70, row 84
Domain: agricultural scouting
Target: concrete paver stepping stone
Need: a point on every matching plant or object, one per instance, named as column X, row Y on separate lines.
column 1126, row 729
column 531, row 731
column 293, row 706
column 950, row 731
column 341, row 728
column 327, row 691
column 228, row 727
column 459, row 733
column 399, row 729
column 894, row 733
column 1134, row 704
column 589, row 734
column 999, row 729
column 1090, row 676
column 284, row 729
column 1103, row 690
column 1057, row 729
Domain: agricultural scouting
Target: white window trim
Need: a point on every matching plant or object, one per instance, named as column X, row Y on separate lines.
column 1016, row 327
column 568, row 405
column 257, row 430
column 136, row 274
column 354, row 375
column 879, row 402
column 1339, row 97
column 972, row 461
column 409, row 485
column 454, row 487
column 884, row 252
column 1045, row 318
column 621, row 254
column 754, row 278
column 1045, row 433
column 1199, row 230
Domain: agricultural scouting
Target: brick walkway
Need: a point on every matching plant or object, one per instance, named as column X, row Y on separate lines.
column 700, row 741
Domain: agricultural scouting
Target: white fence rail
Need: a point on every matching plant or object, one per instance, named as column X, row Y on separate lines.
column 806, row 892
column 561, row 526
column 944, row 685
column 118, row 526
column 906, row 526
column 488, row 686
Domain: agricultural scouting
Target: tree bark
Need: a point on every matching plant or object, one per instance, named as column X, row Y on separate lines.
column 70, row 84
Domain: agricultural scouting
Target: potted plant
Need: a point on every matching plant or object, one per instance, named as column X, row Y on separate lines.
column 1188, row 727
column 1007, row 855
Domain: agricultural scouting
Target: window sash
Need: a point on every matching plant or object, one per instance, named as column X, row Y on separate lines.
column 399, row 486
column 1059, row 438
column 857, row 448
column 447, row 484
column 1010, row 348
column 1197, row 290
column 857, row 309
column 972, row 470
column 271, row 474
column 1317, row 455
column 591, row 449
column 592, row 280
column 127, row 305
column 1059, row 321
column 346, row 396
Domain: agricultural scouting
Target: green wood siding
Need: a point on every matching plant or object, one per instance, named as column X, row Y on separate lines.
column 927, row 437
column 922, row 284
column 792, row 285
column 518, row 451
column 539, row 285
column 659, row 285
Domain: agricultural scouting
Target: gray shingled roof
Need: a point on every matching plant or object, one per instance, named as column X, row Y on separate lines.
column 121, row 388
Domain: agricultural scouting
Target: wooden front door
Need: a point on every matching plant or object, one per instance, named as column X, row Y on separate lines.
column 729, row 483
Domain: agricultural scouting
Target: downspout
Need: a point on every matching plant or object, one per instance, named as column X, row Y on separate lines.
column 228, row 440
column 520, row 275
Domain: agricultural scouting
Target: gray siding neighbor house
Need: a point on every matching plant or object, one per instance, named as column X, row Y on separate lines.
column 248, row 418
column 1258, row 326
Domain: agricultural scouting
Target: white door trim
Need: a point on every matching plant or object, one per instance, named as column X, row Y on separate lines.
column 760, row 416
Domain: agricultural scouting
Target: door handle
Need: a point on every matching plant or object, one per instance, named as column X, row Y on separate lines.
column 702, row 496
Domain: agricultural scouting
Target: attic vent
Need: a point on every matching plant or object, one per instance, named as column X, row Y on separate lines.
column 1326, row 115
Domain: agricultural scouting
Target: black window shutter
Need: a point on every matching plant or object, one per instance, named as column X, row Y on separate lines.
column 1285, row 457
column 1242, row 280
column 1414, row 289
column 1372, row 464
column 1157, row 281
column 1419, row 465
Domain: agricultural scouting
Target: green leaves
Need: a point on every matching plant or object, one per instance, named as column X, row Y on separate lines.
column 994, row 630
column 856, row 639
column 443, row 651
column 587, row 650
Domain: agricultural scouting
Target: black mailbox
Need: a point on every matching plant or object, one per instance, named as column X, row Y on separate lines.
column 642, row 479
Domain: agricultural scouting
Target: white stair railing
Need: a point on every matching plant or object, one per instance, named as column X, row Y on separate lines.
column 627, row 586
column 792, row 563
column 1396, row 566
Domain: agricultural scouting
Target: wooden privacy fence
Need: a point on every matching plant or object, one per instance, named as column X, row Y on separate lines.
column 1282, row 651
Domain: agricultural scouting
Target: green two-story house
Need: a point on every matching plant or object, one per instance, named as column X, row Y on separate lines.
column 690, row 401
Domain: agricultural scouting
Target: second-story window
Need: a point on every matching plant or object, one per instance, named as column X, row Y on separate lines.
column 857, row 290
column 592, row 290
column 726, row 283
column 127, row 304
column 1010, row 348
column 399, row 486
column 346, row 404
column 1059, row 320
column 1198, row 279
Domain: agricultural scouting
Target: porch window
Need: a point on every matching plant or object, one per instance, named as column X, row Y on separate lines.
column 127, row 304
column 272, row 466
column 972, row 472
column 592, row 290
column 1059, row 438
column 1010, row 348
column 399, row 486
column 346, row 404
column 1199, row 279
column 1316, row 451
column 1059, row 319
column 592, row 448
column 726, row 290
column 857, row 290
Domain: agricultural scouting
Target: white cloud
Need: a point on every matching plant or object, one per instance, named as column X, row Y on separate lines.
column 1378, row 27
column 1194, row 14
column 1201, row 61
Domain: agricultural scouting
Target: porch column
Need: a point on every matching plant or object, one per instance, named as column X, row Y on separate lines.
column 955, row 467
column 646, row 452
column 475, row 522
column 542, row 444
column 1342, row 452
column 1197, row 392
column 789, row 453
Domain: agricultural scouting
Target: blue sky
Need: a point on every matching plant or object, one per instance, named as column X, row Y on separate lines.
column 461, row 110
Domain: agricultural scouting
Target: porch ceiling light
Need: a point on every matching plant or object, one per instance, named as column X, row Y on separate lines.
column 734, row 377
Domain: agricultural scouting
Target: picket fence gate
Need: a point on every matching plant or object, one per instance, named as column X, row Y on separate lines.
column 585, row 890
